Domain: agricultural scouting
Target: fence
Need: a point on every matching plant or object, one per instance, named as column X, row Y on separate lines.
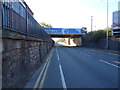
column 17, row 17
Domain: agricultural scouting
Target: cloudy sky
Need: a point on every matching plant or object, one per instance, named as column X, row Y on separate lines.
column 73, row 13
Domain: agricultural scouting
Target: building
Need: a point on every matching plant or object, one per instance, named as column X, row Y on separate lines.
column 116, row 24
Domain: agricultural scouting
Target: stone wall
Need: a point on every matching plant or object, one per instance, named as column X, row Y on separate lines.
column 21, row 56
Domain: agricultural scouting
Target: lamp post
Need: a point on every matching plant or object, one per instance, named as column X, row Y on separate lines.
column 91, row 23
column 107, row 45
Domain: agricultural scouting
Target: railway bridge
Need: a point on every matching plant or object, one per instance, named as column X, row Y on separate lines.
column 73, row 36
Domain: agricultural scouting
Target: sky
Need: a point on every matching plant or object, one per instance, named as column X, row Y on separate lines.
column 73, row 13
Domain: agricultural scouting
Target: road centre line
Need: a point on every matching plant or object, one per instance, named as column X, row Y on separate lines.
column 85, row 54
column 109, row 63
column 61, row 72
column 41, row 73
column 57, row 55
column 105, row 52
column 113, row 58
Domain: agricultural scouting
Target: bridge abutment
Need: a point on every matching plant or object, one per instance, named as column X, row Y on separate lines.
column 76, row 41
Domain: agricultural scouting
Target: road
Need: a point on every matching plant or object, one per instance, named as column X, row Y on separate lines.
column 75, row 67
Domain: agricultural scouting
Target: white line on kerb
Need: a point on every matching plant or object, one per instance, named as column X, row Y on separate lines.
column 61, row 72
column 109, row 63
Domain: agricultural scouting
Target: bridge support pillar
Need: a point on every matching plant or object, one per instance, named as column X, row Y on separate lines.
column 78, row 41
column 69, row 41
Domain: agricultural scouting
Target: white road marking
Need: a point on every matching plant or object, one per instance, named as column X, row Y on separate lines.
column 109, row 63
column 92, row 50
column 61, row 72
column 105, row 52
column 85, row 54
column 113, row 58
column 62, row 77
column 57, row 55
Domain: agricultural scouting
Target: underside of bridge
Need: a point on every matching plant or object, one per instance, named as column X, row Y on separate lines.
column 70, row 36
column 67, row 39
column 65, row 35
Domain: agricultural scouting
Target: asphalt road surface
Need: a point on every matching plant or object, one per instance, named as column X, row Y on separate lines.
column 75, row 67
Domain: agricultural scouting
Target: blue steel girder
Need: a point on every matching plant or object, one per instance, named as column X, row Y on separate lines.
column 64, row 32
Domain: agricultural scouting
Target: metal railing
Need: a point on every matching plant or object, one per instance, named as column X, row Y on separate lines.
column 18, row 18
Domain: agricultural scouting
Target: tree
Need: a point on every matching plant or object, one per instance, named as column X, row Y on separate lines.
column 45, row 25
column 97, row 35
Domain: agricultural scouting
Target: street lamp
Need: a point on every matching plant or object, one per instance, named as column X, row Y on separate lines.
column 107, row 45
column 91, row 23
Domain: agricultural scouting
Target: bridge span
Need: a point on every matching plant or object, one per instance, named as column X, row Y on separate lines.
column 73, row 36
column 65, row 32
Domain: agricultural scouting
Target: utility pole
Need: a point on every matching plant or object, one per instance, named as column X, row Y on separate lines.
column 91, row 23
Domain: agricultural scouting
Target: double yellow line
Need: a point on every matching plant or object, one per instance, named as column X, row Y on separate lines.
column 43, row 73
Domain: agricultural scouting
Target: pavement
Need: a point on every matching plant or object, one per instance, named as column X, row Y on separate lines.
column 75, row 67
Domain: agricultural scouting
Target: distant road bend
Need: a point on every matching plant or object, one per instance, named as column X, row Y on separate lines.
column 75, row 67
